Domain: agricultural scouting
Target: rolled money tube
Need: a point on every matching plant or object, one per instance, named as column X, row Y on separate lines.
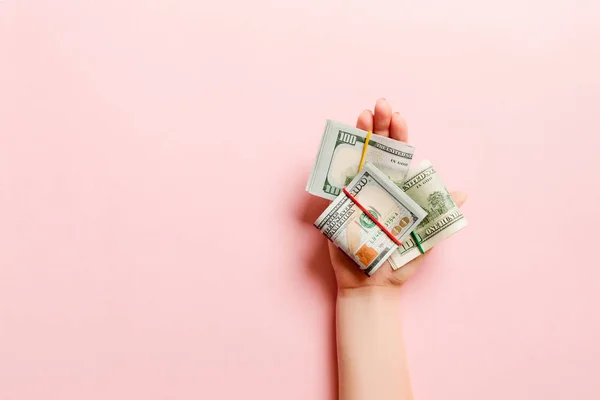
column 339, row 155
column 444, row 218
column 355, row 233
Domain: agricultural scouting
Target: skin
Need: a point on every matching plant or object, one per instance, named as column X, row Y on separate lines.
column 371, row 356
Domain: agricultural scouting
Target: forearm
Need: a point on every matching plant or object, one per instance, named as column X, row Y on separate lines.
column 371, row 355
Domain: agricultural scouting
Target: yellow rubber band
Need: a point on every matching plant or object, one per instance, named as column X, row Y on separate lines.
column 364, row 153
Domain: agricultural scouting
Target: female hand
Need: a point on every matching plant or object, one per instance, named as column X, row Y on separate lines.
column 386, row 123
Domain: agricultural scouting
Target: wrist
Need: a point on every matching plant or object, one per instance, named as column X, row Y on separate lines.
column 370, row 291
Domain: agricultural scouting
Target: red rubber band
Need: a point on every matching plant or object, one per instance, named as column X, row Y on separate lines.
column 388, row 233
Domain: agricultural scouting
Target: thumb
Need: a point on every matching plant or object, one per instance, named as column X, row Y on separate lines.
column 459, row 198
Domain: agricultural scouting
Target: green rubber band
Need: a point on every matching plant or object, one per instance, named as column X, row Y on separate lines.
column 418, row 242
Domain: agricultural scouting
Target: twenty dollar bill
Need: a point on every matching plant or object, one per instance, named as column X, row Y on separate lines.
column 350, row 229
column 444, row 218
column 339, row 155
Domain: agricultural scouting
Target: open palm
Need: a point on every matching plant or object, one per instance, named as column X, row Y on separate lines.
column 385, row 123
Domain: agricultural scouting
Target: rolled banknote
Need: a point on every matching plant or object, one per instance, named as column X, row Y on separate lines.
column 340, row 153
column 444, row 218
column 355, row 233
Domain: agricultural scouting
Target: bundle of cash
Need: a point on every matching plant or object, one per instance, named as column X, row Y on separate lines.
column 444, row 218
column 407, row 200
column 340, row 153
column 355, row 232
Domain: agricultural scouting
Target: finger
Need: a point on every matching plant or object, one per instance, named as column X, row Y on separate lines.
column 398, row 128
column 365, row 121
column 459, row 198
column 382, row 118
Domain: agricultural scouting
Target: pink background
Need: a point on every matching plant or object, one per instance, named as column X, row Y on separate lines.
column 155, row 237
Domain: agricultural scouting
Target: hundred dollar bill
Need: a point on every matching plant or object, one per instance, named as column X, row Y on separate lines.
column 444, row 218
column 355, row 233
column 339, row 155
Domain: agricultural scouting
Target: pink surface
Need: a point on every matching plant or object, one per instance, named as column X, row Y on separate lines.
column 155, row 238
